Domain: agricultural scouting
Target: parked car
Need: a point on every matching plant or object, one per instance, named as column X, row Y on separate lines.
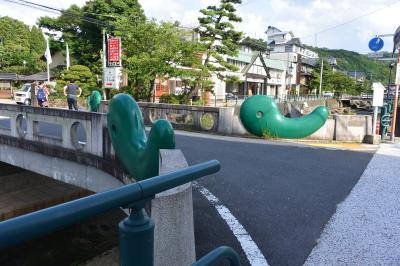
column 328, row 94
column 23, row 96
column 230, row 96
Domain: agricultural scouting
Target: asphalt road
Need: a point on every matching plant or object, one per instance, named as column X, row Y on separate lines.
column 282, row 195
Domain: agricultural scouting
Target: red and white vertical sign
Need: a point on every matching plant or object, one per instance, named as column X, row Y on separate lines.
column 113, row 52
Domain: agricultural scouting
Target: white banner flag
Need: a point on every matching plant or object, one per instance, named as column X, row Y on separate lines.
column 67, row 58
column 47, row 54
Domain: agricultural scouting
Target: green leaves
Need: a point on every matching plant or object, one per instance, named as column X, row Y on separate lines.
column 82, row 76
column 20, row 44
column 219, row 36
column 337, row 81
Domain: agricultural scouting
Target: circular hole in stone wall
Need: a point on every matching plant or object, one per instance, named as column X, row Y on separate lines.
column 207, row 121
column 22, row 126
column 78, row 136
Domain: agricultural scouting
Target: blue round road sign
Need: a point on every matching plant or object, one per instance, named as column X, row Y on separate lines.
column 376, row 44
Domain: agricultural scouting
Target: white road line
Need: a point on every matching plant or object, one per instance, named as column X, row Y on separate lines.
column 250, row 248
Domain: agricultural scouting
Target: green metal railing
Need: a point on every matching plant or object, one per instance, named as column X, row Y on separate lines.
column 218, row 255
column 136, row 232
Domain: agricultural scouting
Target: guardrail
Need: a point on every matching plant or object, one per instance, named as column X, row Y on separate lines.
column 73, row 136
column 82, row 131
column 136, row 231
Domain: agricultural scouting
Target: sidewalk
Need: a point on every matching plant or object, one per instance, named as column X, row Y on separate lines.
column 365, row 230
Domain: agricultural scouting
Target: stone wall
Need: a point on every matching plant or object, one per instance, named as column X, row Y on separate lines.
column 226, row 120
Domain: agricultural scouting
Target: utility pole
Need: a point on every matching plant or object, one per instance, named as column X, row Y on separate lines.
column 320, row 78
column 104, row 65
column 393, row 135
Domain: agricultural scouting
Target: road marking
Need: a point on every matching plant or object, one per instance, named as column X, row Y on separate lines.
column 250, row 248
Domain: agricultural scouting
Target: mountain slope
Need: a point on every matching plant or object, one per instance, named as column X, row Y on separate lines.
column 352, row 61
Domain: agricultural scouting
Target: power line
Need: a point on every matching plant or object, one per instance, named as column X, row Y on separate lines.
column 351, row 20
column 38, row 8
column 58, row 12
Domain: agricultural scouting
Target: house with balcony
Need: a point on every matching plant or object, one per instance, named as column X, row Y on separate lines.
column 295, row 56
column 306, row 69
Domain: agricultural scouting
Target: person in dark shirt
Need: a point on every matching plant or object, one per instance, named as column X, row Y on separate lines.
column 72, row 91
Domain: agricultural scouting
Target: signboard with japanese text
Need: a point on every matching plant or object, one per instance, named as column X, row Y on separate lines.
column 112, row 77
column 113, row 52
column 379, row 91
column 376, row 55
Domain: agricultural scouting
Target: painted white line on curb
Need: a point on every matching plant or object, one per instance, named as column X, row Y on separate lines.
column 250, row 248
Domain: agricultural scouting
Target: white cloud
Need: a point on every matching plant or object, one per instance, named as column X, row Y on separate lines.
column 303, row 17
column 30, row 15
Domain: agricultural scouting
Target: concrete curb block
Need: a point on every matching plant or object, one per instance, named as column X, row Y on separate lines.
column 172, row 212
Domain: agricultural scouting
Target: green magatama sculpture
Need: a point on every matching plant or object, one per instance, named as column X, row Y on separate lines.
column 261, row 116
column 93, row 101
column 139, row 155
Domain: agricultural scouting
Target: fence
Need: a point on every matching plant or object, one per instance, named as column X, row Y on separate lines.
column 136, row 231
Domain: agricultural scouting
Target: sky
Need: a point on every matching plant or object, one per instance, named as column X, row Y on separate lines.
column 354, row 22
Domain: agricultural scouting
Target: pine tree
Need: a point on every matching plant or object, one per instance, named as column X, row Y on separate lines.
column 218, row 34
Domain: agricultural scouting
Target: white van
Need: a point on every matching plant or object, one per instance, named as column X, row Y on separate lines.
column 23, row 96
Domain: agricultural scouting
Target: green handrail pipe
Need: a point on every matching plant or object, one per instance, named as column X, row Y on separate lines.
column 136, row 231
column 219, row 255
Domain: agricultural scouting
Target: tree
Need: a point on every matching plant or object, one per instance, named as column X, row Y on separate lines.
column 219, row 36
column 84, row 37
column 337, row 81
column 256, row 44
column 153, row 50
column 20, row 48
column 82, row 76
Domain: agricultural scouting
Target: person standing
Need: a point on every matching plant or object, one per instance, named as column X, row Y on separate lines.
column 42, row 95
column 72, row 91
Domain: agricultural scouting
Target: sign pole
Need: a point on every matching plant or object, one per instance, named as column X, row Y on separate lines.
column 393, row 136
column 320, row 78
column 377, row 101
column 104, row 65
column 375, row 119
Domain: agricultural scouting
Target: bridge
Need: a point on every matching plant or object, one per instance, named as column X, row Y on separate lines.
column 69, row 146
column 75, row 148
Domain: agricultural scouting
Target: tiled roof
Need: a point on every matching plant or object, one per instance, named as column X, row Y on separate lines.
column 243, row 57
column 41, row 76
column 274, row 64
column 8, row 76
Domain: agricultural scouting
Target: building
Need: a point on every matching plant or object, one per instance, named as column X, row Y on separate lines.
column 6, row 80
column 306, row 68
column 357, row 75
column 257, row 75
column 333, row 63
column 290, row 50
